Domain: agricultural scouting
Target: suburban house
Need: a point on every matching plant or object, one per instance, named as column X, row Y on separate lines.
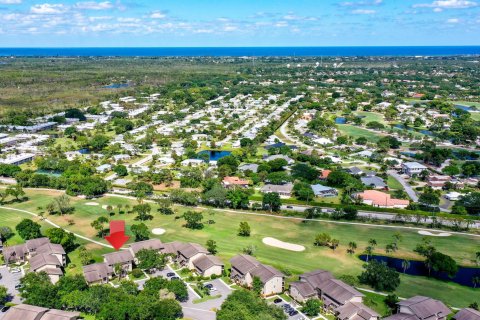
column 355, row 171
column 188, row 253
column 467, row 314
column 208, row 265
column 412, row 168
column 29, row 312
column 245, row 268
column 151, row 244
column 324, row 191
column 381, row 199
column 437, row 182
column 280, row 156
column 374, row 182
column 337, row 297
column 324, row 174
column 192, row 162
column 97, row 273
column 420, row 308
column 232, row 182
column 308, row 285
column 284, row 190
column 41, row 254
column 248, row 167
column 123, row 258
column 336, row 293
column 355, row 311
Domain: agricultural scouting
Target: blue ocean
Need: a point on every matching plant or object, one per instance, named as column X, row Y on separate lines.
column 241, row 51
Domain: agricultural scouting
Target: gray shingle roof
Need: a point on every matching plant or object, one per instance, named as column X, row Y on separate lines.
column 316, row 278
column 304, row 289
column 467, row 314
column 42, row 260
column 154, row 244
column 96, row 272
column 122, row 256
column 244, row 263
column 188, row 250
column 206, row 262
column 339, row 291
column 350, row 309
column 24, row 312
column 425, row 307
column 265, row 273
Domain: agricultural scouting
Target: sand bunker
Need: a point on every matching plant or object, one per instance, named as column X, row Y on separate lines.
column 91, row 204
column 282, row 245
column 158, row 231
column 428, row 233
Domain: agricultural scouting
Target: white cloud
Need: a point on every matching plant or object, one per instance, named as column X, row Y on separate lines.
column 10, row 1
column 48, row 8
column 437, row 10
column 361, row 3
column 453, row 20
column 364, row 11
column 448, row 4
column 92, row 5
column 158, row 15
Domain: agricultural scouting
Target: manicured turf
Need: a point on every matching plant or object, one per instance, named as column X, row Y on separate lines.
column 393, row 183
column 224, row 230
column 371, row 116
column 356, row 132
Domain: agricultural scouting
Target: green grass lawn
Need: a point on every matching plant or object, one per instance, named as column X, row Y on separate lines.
column 224, row 230
column 356, row 132
column 371, row 116
column 393, row 183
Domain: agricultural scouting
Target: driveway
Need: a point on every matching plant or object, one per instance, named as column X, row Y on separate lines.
column 9, row 281
column 408, row 189
column 204, row 310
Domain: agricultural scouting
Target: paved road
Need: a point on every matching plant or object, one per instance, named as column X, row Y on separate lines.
column 204, row 310
column 411, row 193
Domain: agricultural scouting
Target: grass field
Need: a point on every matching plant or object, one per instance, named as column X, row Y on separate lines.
column 371, row 116
column 355, row 132
column 224, row 230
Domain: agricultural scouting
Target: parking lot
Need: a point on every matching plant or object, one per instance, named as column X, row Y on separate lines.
column 10, row 280
column 204, row 310
column 283, row 305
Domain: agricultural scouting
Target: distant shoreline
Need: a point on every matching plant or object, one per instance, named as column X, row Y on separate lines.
column 353, row 51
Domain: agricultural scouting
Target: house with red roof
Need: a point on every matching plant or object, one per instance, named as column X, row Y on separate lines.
column 381, row 199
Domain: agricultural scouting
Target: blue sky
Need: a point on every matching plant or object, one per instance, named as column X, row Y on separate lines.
column 65, row 23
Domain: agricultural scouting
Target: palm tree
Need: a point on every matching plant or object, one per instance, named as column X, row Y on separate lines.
column 405, row 265
column 372, row 243
column 334, row 244
column 368, row 251
column 352, row 247
column 475, row 281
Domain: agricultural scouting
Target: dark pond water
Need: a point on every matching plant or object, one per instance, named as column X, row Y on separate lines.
column 409, row 154
column 417, row 268
column 84, row 151
column 215, row 155
column 341, row 120
column 426, row 132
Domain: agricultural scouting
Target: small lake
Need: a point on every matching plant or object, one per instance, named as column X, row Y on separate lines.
column 84, row 151
column 426, row 132
column 341, row 120
column 215, row 155
column 465, row 108
column 117, row 86
column 417, row 268
column 51, row 173
column 409, row 154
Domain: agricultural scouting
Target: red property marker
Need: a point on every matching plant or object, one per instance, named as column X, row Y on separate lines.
column 117, row 235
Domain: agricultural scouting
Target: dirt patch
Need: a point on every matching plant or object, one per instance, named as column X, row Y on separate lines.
column 282, row 245
column 428, row 233
column 163, row 186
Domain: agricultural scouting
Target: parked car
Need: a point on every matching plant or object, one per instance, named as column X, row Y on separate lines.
column 175, row 278
column 293, row 313
column 4, row 308
column 289, row 207
column 15, row 270
column 277, row 301
column 171, row 274
column 18, row 286
column 209, row 285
